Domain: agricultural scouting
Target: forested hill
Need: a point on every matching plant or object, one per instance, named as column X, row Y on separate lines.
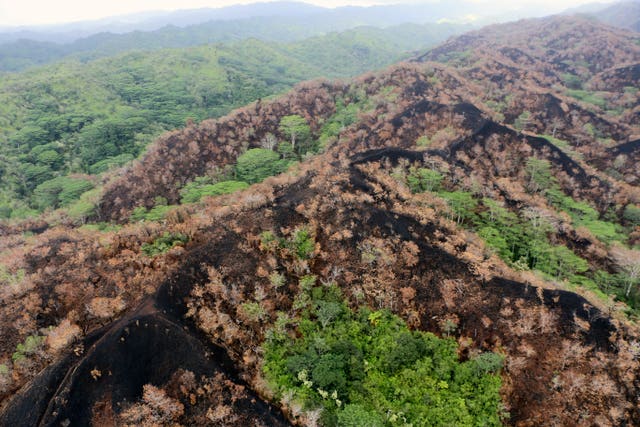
column 24, row 53
column 84, row 118
column 274, row 21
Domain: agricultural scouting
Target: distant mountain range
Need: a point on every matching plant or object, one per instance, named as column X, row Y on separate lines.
column 624, row 15
column 272, row 22
column 24, row 47
column 153, row 20
column 295, row 13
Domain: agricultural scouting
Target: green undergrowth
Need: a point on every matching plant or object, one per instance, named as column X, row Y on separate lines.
column 301, row 243
column 203, row 186
column 163, row 243
column 9, row 278
column 156, row 213
column 583, row 215
column 30, row 345
column 526, row 239
column 344, row 116
column 257, row 164
column 587, row 96
column 103, row 227
column 631, row 215
column 564, row 146
column 366, row 368
column 521, row 240
column 348, row 108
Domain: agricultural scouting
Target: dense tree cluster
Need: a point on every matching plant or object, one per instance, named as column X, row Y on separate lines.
column 368, row 365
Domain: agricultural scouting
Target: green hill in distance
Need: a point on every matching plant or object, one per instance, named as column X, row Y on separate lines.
column 26, row 52
column 84, row 118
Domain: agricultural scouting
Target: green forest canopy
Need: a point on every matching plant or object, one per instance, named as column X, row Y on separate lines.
column 367, row 368
column 85, row 118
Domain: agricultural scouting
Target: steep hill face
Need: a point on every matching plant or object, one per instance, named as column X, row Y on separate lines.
column 461, row 217
column 568, row 78
column 562, row 58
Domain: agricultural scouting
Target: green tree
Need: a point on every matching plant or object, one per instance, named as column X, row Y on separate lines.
column 497, row 241
column 628, row 262
column 366, row 368
column 355, row 415
column 50, row 157
column 632, row 215
column 462, row 204
column 110, row 163
column 423, row 179
column 60, row 191
column 296, row 129
column 258, row 163
column 33, row 175
column 559, row 261
column 539, row 175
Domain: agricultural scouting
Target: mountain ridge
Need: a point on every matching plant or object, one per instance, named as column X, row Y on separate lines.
column 129, row 98
column 24, row 54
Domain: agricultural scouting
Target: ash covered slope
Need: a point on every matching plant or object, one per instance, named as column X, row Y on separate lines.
column 551, row 67
column 565, row 77
column 385, row 240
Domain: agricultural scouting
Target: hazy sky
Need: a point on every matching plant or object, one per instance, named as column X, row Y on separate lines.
column 29, row 12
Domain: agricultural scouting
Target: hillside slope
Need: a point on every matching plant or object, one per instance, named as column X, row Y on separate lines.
column 427, row 200
column 567, row 78
column 49, row 133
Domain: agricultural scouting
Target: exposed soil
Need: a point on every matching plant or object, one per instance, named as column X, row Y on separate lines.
column 144, row 347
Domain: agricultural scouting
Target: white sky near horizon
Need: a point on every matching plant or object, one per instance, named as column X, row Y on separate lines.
column 37, row 12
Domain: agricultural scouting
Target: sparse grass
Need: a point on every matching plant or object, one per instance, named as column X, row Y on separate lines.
column 423, row 142
column 277, row 280
column 588, row 97
column 30, row 345
column 253, row 311
column 101, row 226
column 8, row 278
column 564, row 146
